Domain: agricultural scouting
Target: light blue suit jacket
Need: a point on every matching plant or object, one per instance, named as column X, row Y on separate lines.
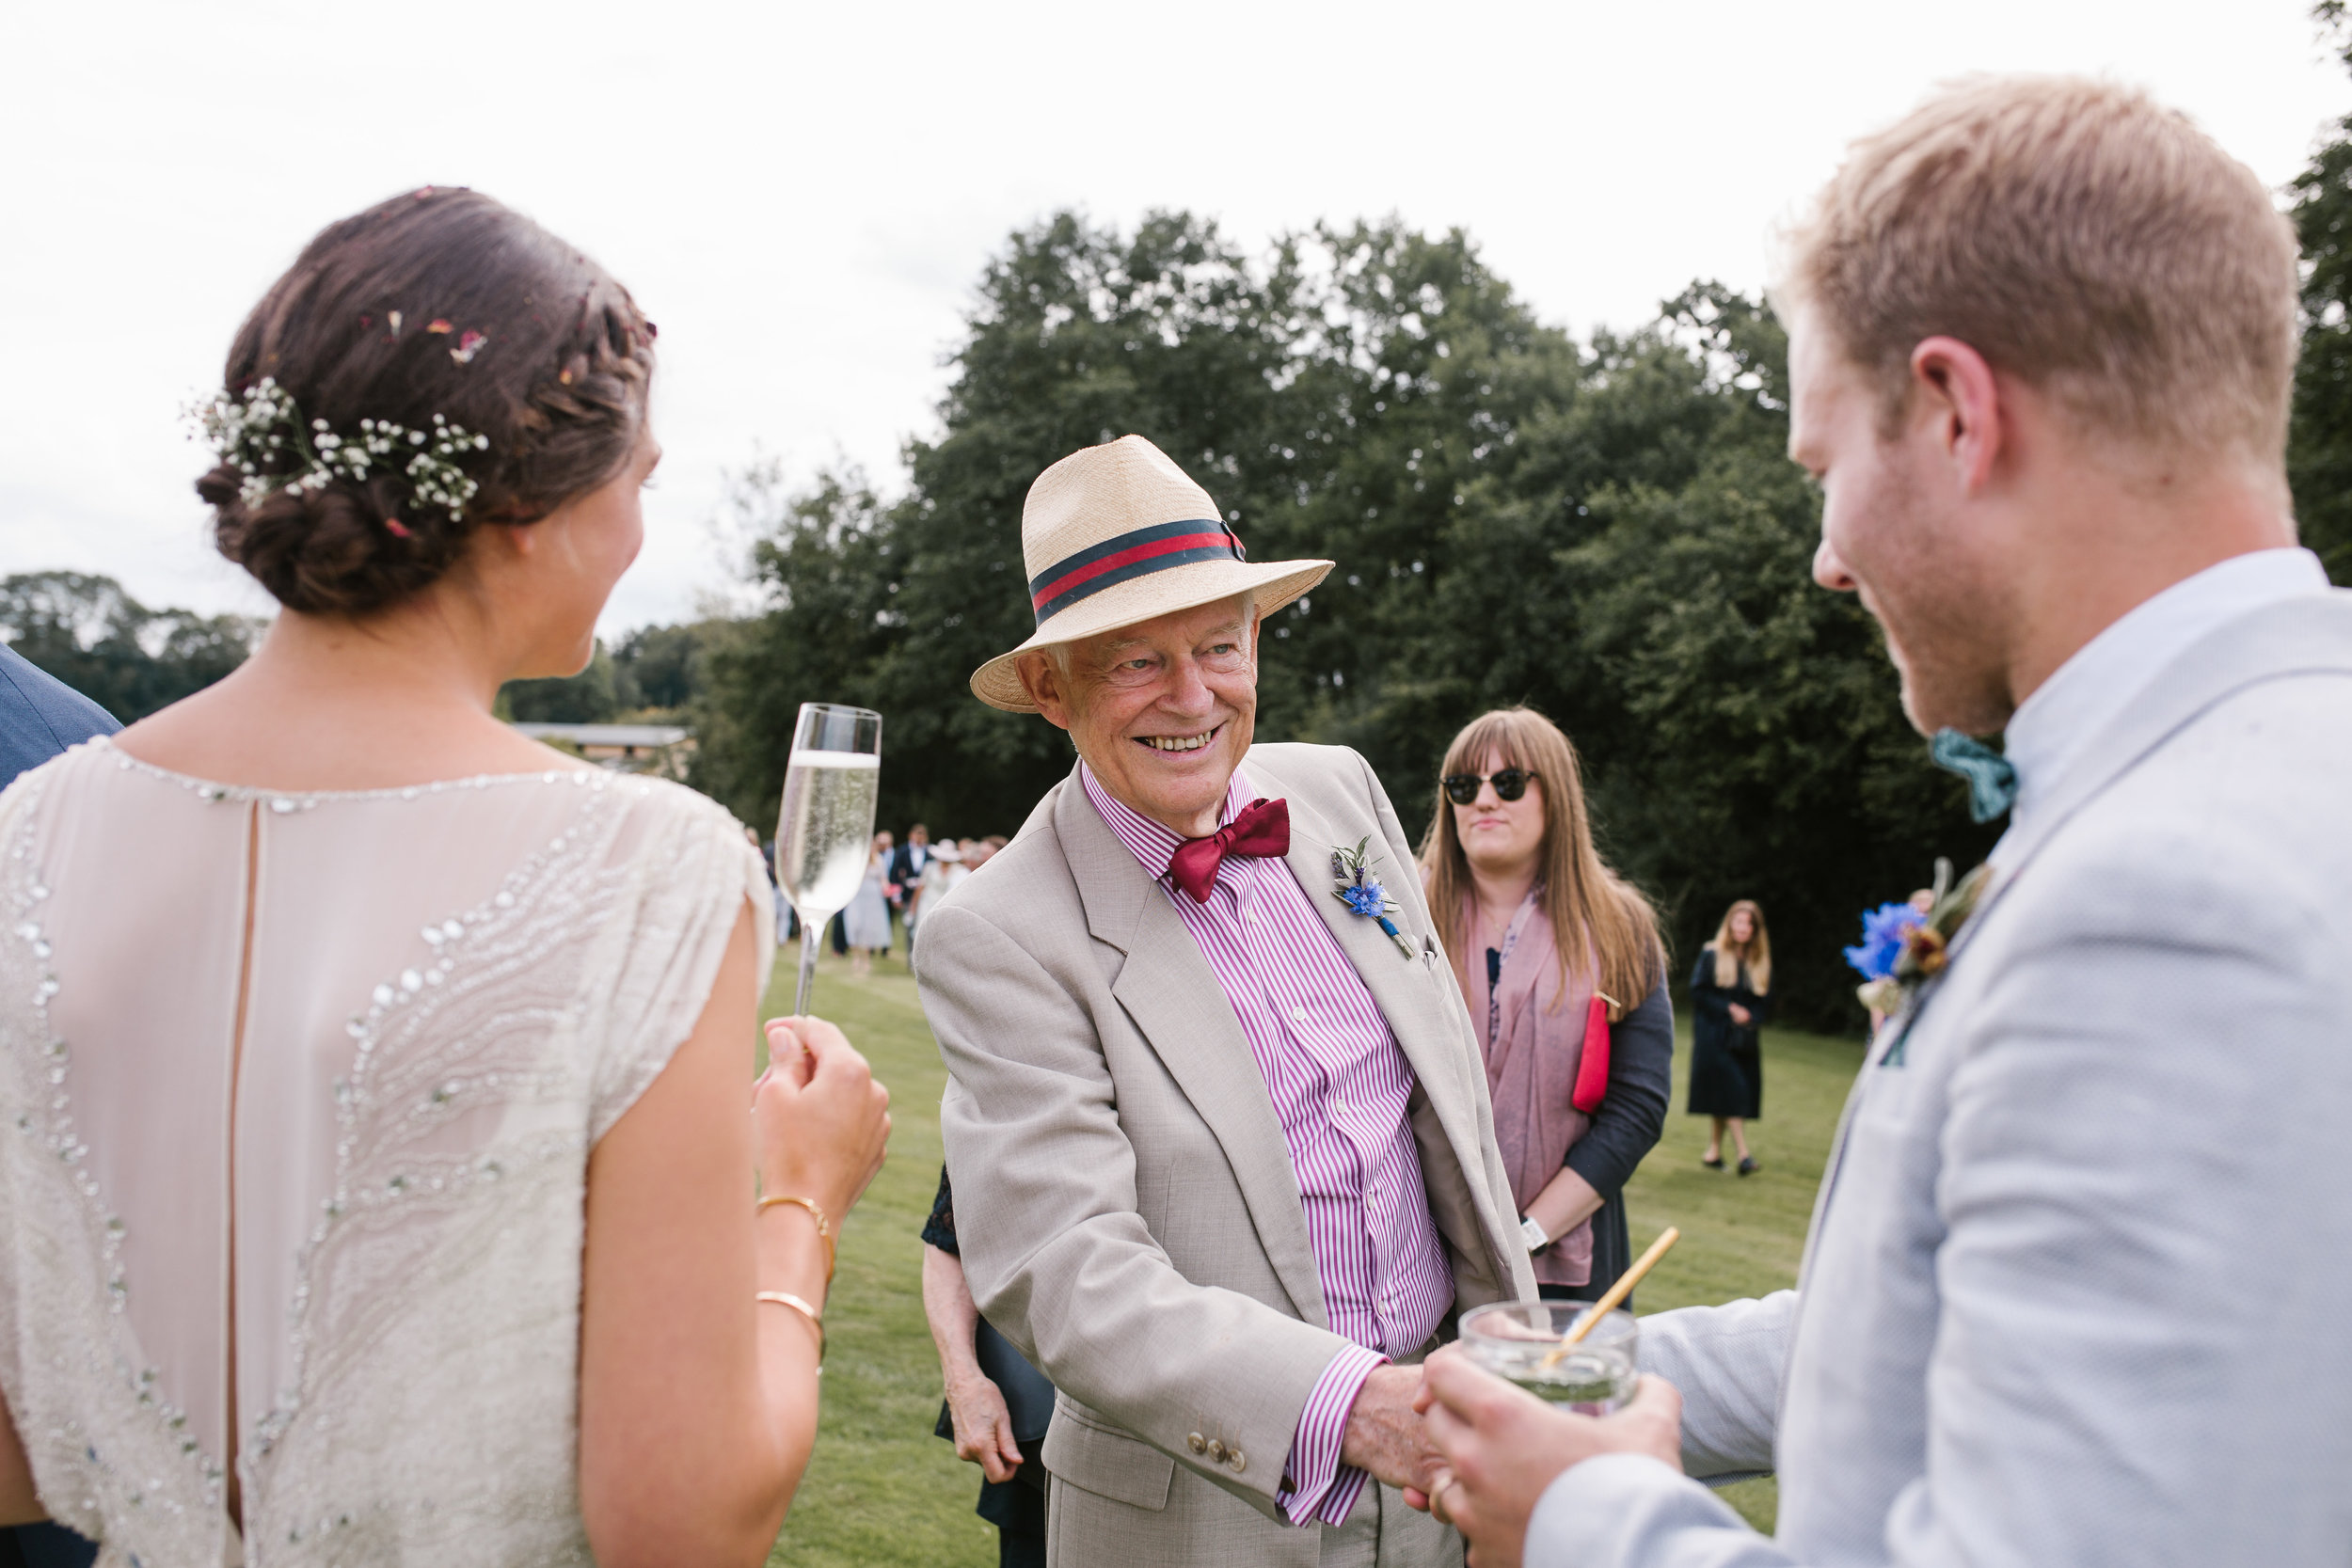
column 2079, row 1285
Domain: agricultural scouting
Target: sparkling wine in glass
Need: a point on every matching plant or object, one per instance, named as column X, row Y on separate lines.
column 825, row 835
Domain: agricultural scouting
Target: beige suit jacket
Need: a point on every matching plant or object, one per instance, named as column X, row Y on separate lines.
column 1125, row 1203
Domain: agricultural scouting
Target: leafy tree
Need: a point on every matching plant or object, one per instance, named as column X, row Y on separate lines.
column 825, row 558
column 661, row 667
column 129, row 659
column 591, row 697
column 1644, row 578
column 1611, row 534
column 653, row 674
column 2319, row 451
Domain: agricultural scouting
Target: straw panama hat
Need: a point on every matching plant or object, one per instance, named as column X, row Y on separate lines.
column 1116, row 535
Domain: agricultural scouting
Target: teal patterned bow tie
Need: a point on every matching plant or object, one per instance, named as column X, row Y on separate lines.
column 1991, row 777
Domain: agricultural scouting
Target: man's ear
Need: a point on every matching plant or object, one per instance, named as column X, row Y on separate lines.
column 1955, row 390
column 1044, row 684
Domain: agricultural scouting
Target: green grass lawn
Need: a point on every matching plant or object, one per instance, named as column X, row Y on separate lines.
column 883, row 1490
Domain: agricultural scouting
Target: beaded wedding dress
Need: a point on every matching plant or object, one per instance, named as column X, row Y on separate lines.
column 445, row 994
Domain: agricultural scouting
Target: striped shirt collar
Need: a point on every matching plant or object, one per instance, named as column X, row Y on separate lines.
column 1153, row 844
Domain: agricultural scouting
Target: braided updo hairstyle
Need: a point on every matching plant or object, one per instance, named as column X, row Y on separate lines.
column 438, row 301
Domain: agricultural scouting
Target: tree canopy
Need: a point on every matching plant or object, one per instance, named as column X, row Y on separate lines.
column 127, row 659
column 1608, row 532
column 2319, row 453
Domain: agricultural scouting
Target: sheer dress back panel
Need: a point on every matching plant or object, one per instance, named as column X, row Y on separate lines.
column 452, row 991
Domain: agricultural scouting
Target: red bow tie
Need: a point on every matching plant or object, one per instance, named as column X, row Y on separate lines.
column 1262, row 829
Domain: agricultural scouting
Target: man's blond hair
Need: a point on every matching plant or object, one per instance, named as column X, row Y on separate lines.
column 2080, row 236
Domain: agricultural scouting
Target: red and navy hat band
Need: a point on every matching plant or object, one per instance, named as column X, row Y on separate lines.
column 1127, row 557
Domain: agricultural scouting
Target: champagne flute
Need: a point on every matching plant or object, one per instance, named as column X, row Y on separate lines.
column 825, row 835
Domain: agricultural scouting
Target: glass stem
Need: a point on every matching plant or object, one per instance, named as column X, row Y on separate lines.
column 810, row 937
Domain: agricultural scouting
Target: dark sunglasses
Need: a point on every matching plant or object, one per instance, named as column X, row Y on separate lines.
column 1510, row 784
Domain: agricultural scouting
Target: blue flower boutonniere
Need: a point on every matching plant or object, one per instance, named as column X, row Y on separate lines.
column 1363, row 893
column 1902, row 954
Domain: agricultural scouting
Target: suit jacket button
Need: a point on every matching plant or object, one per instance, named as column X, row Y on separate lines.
column 1197, row 1443
column 1217, row 1450
column 1237, row 1461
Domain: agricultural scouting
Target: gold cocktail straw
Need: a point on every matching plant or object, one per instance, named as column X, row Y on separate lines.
column 1618, row 1292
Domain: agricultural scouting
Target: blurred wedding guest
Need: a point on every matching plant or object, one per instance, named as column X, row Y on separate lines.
column 906, row 876
column 865, row 924
column 942, row 870
column 786, row 923
column 998, row 1407
column 421, row 1232
column 948, row 866
column 1730, row 989
column 2042, row 339
column 39, row 717
column 1565, row 977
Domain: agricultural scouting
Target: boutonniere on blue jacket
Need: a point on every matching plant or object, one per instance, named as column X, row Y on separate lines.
column 1902, row 950
column 1361, row 891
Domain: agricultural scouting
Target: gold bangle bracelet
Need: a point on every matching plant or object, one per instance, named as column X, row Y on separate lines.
column 786, row 1298
column 824, row 1231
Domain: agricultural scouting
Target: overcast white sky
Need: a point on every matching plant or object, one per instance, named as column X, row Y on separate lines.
column 803, row 195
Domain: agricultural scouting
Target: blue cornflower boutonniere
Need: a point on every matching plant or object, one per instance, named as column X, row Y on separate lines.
column 1902, row 954
column 1361, row 891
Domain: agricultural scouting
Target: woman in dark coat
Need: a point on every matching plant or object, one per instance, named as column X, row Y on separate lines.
column 1729, row 999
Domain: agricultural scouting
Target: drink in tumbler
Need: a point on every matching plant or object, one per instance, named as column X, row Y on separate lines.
column 1515, row 1339
column 825, row 832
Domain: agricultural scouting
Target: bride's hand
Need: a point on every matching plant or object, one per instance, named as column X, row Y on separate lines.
column 822, row 1122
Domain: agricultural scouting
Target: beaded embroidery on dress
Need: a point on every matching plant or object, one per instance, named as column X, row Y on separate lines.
column 456, row 990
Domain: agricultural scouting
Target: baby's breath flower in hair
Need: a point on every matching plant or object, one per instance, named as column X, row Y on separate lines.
column 261, row 435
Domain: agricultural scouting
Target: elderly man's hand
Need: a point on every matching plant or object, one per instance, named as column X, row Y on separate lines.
column 983, row 1426
column 1501, row 1447
column 1386, row 1435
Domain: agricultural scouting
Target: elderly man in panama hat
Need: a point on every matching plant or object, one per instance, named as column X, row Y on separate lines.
column 1224, row 1162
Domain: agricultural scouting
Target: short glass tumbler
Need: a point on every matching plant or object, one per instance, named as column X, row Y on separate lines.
column 1511, row 1339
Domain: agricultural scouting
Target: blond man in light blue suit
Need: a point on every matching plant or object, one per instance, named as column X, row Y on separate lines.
column 2076, row 1287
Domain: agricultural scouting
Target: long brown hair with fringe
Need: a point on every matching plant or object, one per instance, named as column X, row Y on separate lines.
column 1597, row 917
column 1757, row 954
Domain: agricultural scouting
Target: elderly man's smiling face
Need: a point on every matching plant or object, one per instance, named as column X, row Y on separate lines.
column 1162, row 711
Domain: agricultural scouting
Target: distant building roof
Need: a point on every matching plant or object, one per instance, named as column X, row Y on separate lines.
column 609, row 734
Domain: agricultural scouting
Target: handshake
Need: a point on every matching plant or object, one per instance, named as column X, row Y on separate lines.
column 1477, row 1453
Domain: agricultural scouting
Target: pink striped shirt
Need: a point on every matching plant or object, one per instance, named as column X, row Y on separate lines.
column 1340, row 1085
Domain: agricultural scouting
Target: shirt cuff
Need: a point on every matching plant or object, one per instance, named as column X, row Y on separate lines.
column 1618, row 1509
column 1317, row 1488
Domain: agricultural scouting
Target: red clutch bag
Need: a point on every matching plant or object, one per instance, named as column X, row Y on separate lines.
column 1592, row 1068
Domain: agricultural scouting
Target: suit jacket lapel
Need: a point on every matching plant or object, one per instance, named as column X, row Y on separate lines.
column 1172, row 995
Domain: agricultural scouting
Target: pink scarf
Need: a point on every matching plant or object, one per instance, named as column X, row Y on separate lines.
column 1533, row 1048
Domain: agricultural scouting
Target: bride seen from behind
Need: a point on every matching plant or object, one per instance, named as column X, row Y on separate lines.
column 419, row 1057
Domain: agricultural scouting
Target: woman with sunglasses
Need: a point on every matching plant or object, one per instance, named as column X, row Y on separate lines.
column 1537, row 928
